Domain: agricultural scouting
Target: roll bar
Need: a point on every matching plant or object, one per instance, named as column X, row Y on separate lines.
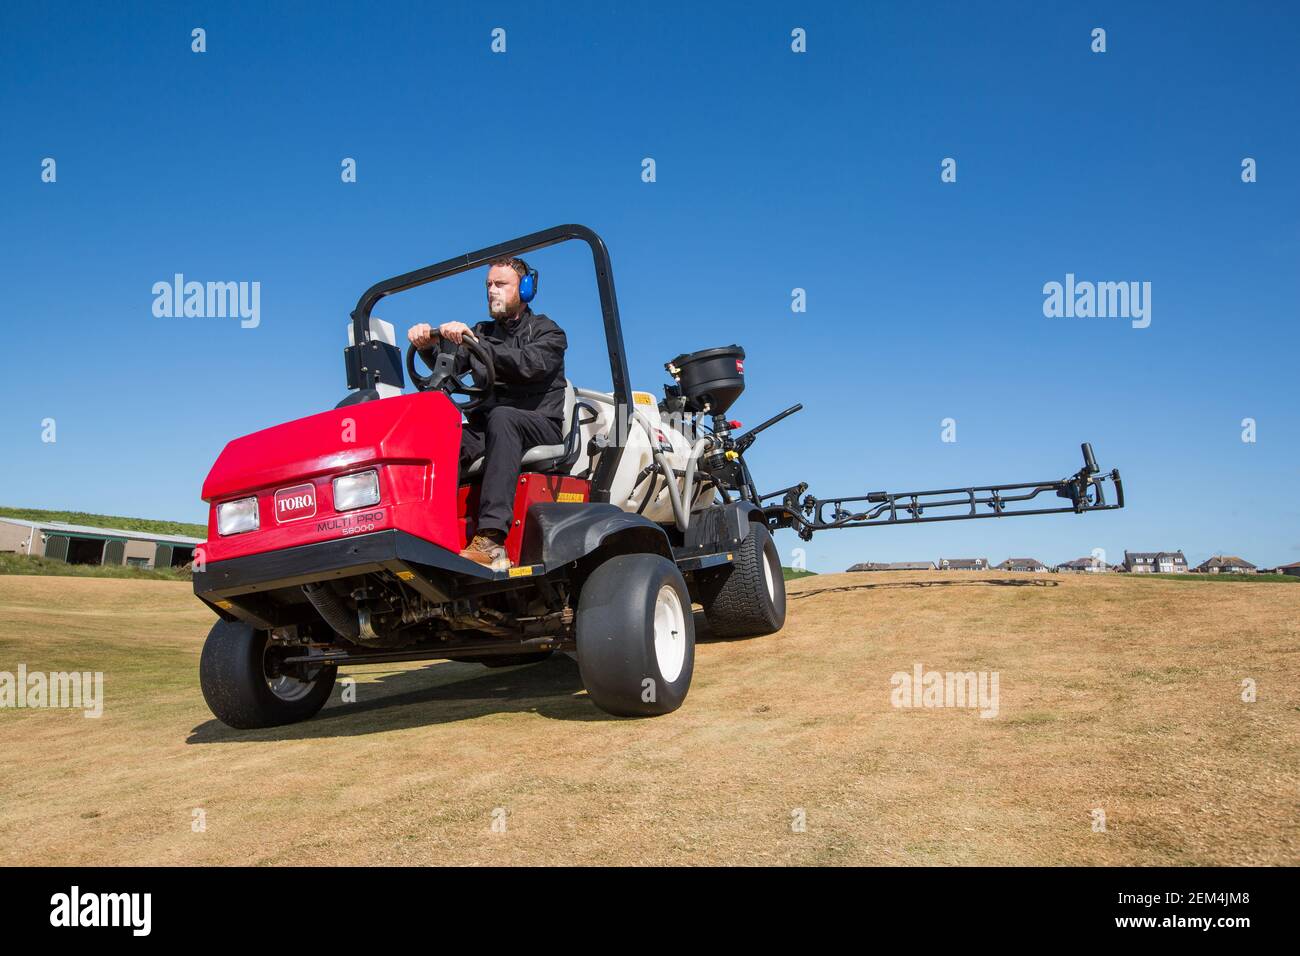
column 365, row 361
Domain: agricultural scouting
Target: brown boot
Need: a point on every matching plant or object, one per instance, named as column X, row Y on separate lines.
column 488, row 549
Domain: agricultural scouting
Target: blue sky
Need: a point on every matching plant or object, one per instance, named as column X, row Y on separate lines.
column 775, row 170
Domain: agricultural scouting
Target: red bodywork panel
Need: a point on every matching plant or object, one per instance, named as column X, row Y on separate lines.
column 531, row 488
column 413, row 441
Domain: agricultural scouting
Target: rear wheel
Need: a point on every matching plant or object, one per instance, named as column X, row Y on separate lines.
column 636, row 636
column 747, row 598
column 246, row 688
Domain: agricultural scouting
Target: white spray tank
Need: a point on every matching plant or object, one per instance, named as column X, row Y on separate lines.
column 667, row 439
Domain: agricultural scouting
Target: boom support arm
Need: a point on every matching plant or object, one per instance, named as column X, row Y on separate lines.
column 1085, row 490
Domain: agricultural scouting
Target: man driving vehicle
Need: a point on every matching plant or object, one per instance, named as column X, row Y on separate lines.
column 526, row 407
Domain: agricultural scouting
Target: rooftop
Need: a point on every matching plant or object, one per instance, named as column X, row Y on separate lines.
column 62, row 527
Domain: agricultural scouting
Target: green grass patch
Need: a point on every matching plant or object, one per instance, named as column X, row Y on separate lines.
column 147, row 525
column 24, row 564
column 791, row 573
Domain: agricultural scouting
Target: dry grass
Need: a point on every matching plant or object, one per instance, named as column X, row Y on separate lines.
column 1115, row 693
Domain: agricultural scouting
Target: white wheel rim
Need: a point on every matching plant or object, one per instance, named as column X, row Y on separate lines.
column 670, row 633
column 767, row 577
column 287, row 688
column 290, row 688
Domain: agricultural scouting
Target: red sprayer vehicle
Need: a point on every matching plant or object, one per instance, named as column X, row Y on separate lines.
column 333, row 540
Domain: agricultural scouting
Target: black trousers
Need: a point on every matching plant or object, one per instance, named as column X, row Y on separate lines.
column 502, row 433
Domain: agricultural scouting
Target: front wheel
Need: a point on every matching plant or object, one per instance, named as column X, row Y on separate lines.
column 636, row 636
column 246, row 688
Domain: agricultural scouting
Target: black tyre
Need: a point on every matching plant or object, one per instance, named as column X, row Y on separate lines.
column 238, row 680
column 747, row 598
column 636, row 636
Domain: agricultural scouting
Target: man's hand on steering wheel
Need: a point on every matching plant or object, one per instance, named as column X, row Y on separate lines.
column 422, row 336
column 444, row 375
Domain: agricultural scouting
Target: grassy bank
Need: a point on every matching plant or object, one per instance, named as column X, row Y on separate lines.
column 22, row 564
column 1115, row 694
column 147, row 525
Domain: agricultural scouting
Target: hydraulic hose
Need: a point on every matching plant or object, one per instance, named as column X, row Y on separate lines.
column 333, row 610
column 681, row 514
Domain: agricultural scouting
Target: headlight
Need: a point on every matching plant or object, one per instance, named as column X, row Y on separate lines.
column 356, row 491
column 234, row 517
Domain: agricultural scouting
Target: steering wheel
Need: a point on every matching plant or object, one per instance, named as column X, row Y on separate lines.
column 444, row 375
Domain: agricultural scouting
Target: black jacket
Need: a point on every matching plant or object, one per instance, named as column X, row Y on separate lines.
column 528, row 356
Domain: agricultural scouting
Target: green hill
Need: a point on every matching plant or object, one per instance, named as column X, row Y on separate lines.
column 22, row 564
column 148, row 525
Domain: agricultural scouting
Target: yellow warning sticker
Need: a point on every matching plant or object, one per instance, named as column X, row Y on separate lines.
column 406, row 575
column 224, row 605
column 521, row 572
column 643, row 398
column 569, row 496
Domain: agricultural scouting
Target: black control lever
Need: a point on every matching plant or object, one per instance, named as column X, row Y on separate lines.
column 747, row 439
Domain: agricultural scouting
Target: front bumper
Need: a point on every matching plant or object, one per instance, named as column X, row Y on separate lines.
column 245, row 587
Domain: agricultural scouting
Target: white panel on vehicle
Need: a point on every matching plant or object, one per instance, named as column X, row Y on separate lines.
column 380, row 331
column 648, row 404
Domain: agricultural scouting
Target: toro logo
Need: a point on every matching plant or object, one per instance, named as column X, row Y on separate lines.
column 294, row 503
column 740, row 366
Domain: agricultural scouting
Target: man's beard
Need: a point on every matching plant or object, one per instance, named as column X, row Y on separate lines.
column 500, row 309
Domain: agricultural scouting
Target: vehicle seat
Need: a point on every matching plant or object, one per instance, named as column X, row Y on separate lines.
column 547, row 459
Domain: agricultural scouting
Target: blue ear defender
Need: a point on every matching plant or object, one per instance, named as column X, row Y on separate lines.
column 528, row 285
